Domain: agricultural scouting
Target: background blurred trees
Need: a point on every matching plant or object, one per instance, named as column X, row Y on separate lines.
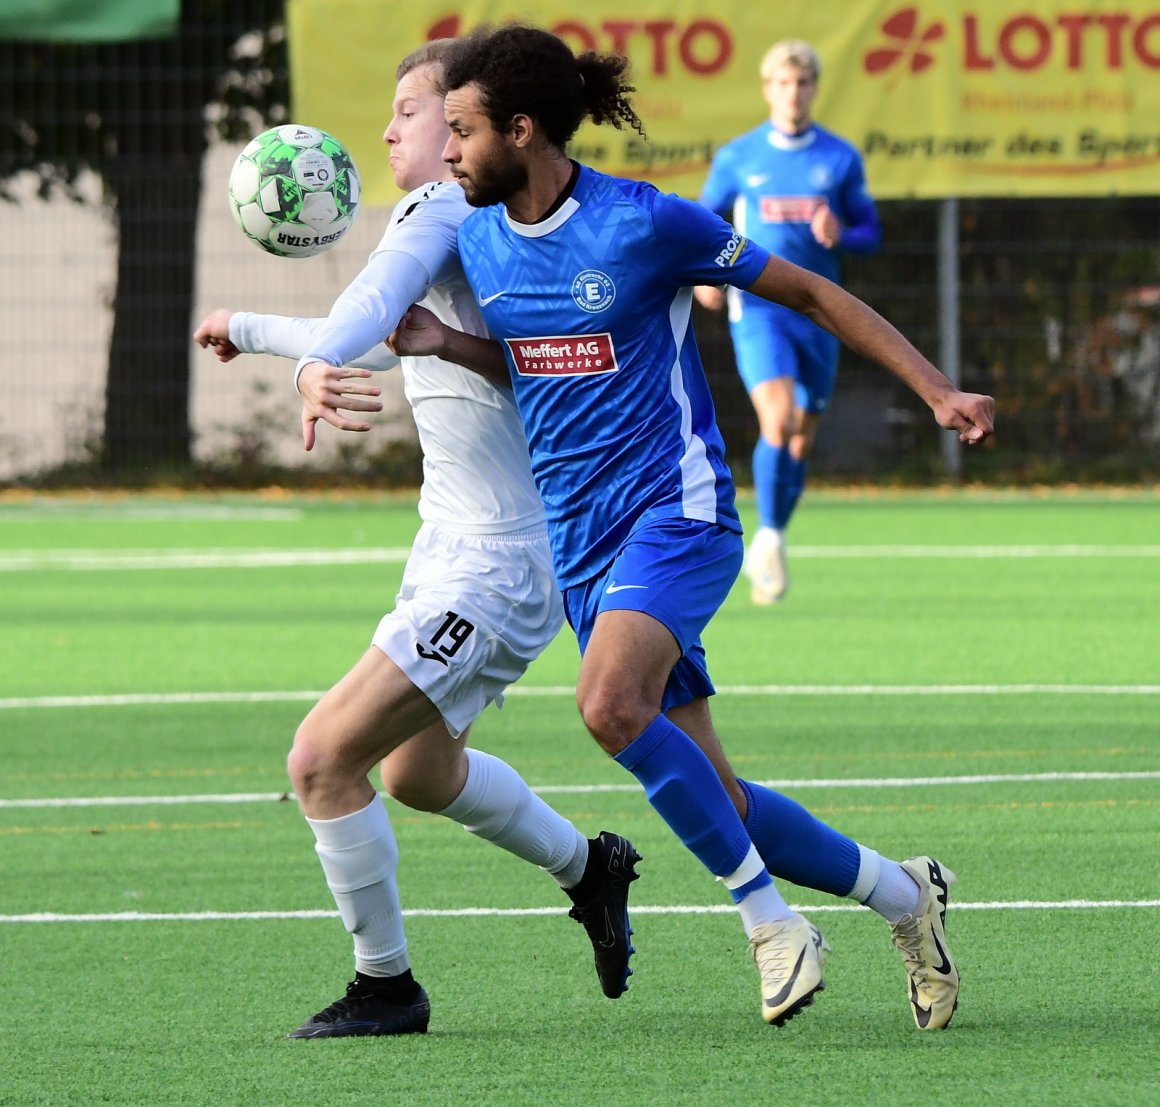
column 140, row 115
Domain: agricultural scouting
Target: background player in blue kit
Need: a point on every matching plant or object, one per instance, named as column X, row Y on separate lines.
column 800, row 192
column 587, row 281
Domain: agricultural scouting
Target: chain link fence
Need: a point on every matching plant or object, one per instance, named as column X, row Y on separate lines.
column 1059, row 308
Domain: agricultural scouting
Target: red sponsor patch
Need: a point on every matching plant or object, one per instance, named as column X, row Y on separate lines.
column 789, row 209
column 573, row 355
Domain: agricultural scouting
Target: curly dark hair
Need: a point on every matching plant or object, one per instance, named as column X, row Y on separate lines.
column 523, row 70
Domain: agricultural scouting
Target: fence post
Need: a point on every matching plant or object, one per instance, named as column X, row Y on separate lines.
column 949, row 318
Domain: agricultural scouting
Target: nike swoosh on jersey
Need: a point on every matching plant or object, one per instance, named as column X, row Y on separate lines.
column 754, row 179
column 621, row 587
column 485, row 300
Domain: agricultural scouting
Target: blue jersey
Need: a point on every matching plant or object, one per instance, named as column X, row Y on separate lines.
column 772, row 184
column 593, row 308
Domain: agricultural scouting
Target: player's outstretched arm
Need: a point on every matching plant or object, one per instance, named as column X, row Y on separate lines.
column 230, row 333
column 861, row 328
column 420, row 332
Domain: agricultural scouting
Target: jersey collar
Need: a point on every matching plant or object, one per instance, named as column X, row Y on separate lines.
column 559, row 214
column 782, row 141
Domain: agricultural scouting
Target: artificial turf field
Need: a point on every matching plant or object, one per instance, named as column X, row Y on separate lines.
column 971, row 675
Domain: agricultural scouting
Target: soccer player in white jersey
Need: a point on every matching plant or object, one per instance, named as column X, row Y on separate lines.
column 478, row 600
column 587, row 281
column 798, row 191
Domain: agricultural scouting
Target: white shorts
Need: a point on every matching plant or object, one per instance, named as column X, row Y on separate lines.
column 473, row 611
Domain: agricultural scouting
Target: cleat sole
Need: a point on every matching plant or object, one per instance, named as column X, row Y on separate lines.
column 801, row 1005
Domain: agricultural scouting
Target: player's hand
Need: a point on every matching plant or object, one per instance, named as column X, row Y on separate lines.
column 214, row 332
column 327, row 391
column 419, row 333
column 709, row 296
column 827, row 231
column 972, row 415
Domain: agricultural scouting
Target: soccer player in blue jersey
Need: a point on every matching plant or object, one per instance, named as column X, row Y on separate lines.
column 587, row 281
column 799, row 191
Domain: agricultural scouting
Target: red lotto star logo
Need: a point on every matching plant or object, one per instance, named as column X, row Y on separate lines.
column 905, row 51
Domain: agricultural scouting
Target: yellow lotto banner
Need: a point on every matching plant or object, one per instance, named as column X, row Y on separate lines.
column 947, row 98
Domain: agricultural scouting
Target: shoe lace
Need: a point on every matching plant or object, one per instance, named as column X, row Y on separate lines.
column 908, row 936
column 772, row 953
column 594, row 918
column 343, row 1006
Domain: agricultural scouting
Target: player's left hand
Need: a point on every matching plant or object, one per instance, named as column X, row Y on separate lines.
column 420, row 332
column 826, row 229
column 971, row 414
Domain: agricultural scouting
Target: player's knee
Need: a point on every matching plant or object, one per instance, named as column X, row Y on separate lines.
column 801, row 445
column 612, row 717
column 312, row 762
column 778, row 432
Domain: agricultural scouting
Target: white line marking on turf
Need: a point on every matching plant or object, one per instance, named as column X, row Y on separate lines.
column 43, row 560
column 132, row 699
column 522, row 912
column 976, row 551
column 593, row 789
column 24, row 560
column 147, row 801
column 58, row 509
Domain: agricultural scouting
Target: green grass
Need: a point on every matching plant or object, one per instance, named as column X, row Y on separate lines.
column 947, row 668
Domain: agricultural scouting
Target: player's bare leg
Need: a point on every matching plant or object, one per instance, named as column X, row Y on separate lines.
column 377, row 712
column 779, row 423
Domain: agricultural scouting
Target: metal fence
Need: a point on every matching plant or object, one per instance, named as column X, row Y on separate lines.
column 1059, row 309
column 1059, row 319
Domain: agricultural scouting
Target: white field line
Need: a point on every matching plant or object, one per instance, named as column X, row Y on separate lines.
column 523, row 912
column 42, row 560
column 69, row 509
column 133, row 699
column 594, row 789
column 24, row 560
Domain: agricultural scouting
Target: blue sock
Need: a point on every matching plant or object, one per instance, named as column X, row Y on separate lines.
column 789, row 480
column 797, row 846
column 686, row 792
column 765, row 480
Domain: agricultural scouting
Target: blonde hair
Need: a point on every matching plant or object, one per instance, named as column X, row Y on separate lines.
column 430, row 53
column 791, row 51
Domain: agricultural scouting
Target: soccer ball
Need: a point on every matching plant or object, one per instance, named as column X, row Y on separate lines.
column 294, row 191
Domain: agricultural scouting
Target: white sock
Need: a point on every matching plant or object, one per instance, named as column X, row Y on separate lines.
column 895, row 895
column 762, row 905
column 359, row 856
column 496, row 804
column 869, row 870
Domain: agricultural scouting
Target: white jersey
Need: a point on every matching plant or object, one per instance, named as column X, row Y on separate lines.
column 476, row 472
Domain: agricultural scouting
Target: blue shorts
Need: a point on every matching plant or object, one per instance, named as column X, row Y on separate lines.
column 679, row 571
column 771, row 341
